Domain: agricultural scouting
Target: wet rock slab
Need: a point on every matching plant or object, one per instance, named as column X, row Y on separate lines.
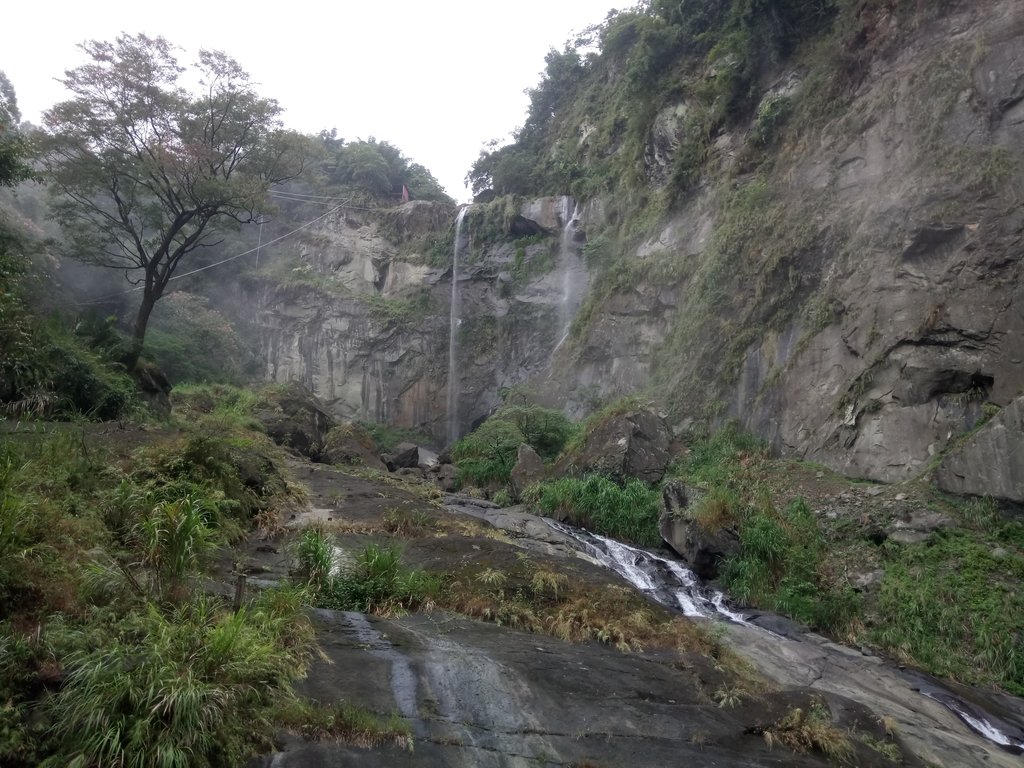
column 478, row 695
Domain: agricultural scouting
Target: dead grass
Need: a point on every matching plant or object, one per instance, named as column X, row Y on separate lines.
column 540, row 600
column 809, row 729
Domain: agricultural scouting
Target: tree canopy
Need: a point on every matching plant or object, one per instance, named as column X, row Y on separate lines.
column 13, row 166
column 377, row 169
column 145, row 171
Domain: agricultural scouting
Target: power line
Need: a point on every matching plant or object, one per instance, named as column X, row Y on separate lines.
column 218, row 263
column 303, row 194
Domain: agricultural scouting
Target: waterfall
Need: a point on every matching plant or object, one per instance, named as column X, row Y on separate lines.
column 570, row 217
column 573, row 274
column 453, row 335
column 664, row 580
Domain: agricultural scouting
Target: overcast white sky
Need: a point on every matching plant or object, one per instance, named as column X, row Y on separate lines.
column 436, row 79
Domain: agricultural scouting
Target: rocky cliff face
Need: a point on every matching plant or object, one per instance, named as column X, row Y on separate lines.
column 886, row 309
column 852, row 292
column 359, row 309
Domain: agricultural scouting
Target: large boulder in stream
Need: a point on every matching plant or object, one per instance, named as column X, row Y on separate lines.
column 634, row 443
column 702, row 548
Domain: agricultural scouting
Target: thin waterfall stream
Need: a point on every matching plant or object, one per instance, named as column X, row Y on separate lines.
column 453, row 335
column 671, row 584
column 573, row 274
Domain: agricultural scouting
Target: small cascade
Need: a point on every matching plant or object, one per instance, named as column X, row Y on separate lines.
column 453, row 335
column 664, row 580
column 674, row 586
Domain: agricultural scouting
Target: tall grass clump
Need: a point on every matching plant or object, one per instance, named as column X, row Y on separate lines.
column 779, row 568
column 193, row 687
column 316, row 558
column 174, row 538
column 629, row 512
column 954, row 605
column 376, row 583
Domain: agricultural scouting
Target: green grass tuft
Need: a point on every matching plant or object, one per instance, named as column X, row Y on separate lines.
column 628, row 512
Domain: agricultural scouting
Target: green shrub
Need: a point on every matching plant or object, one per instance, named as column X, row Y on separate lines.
column 778, row 568
column 45, row 521
column 628, row 512
column 485, row 456
column 954, row 605
column 195, row 687
column 544, row 429
column 47, row 371
column 174, row 538
column 716, row 460
column 387, row 437
column 378, row 583
column 316, row 558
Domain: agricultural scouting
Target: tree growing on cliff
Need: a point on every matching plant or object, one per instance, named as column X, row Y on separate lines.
column 13, row 165
column 145, row 172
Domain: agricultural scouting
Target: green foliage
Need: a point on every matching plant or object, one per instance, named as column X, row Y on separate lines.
column 345, row 722
column 778, row 566
column 230, row 405
column 192, row 342
column 716, row 460
column 503, row 498
column 316, row 558
column 387, row 437
column 193, row 687
column 173, row 538
column 14, row 149
column 485, row 456
column 771, row 114
column 46, row 369
column 376, row 169
column 100, row 552
column 527, row 266
column 127, row 187
column 43, row 534
column 576, row 438
column 781, row 564
column 546, row 430
column 399, row 311
column 954, row 604
column 628, row 512
column 377, row 583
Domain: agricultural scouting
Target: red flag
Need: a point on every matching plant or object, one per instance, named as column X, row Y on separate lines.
column 405, row 194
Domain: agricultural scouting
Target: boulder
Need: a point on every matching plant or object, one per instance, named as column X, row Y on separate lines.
column 296, row 419
column 529, row 469
column 702, row 550
column 991, row 462
column 622, row 446
column 917, row 526
column 405, row 456
column 351, row 444
column 446, row 477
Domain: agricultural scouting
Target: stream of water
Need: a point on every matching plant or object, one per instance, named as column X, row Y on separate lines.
column 666, row 581
column 676, row 587
column 453, row 335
